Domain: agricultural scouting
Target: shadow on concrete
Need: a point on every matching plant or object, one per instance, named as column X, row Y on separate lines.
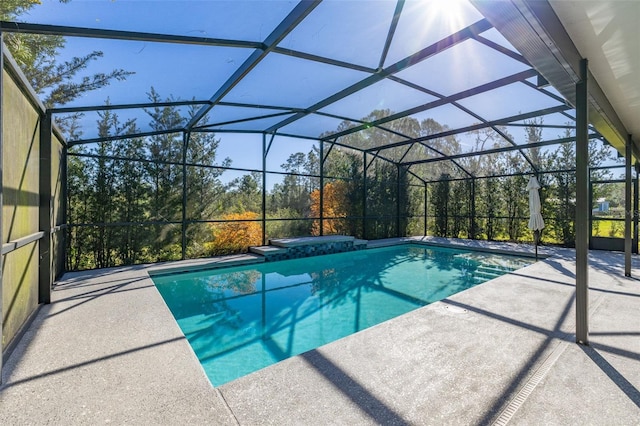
column 503, row 318
column 73, row 278
column 8, row 383
column 616, row 351
column 376, row 409
column 561, row 268
column 89, row 283
column 592, row 351
column 528, row 368
column 615, row 333
column 92, row 295
column 616, row 377
column 572, row 284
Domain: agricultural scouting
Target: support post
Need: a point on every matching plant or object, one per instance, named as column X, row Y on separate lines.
column 425, row 208
column 185, row 146
column 636, row 201
column 473, row 209
column 590, row 211
column 627, row 209
column 321, row 188
column 1, row 201
column 64, row 193
column 398, row 201
column 582, row 207
column 264, row 188
column 364, row 196
column 45, row 210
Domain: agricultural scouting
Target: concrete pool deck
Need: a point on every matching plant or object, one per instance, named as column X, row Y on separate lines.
column 108, row 350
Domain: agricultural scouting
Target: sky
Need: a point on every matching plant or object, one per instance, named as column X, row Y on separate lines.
column 185, row 72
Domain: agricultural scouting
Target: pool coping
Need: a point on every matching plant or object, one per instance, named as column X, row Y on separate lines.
column 108, row 349
column 259, row 254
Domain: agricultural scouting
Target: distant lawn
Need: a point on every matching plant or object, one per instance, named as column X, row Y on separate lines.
column 607, row 228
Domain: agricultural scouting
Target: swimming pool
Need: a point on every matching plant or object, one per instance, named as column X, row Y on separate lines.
column 241, row 319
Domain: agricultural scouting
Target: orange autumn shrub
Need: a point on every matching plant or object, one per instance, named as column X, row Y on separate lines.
column 334, row 205
column 235, row 237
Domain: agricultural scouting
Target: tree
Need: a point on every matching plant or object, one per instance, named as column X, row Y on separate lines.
column 293, row 192
column 132, row 185
column 348, row 165
column 244, row 194
column 334, row 205
column 515, row 199
column 165, row 175
column 78, row 201
column 102, row 196
column 56, row 82
column 440, row 201
column 534, row 134
column 458, row 204
column 235, row 236
column 490, row 206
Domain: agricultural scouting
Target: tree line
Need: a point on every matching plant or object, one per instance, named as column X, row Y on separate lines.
column 125, row 196
column 128, row 198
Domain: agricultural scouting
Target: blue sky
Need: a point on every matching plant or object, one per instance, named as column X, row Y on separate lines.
column 188, row 72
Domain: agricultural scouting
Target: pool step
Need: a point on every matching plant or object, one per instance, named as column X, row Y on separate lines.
column 494, row 269
column 195, row 265
column 485, row 273
column 299, row 247
column 310, row 241
column 270, row 253
column 267, row 250
column 360, row 244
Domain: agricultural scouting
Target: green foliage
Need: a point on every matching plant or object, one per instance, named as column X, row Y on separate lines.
column 440, row 201
column 490, row 208
column 458, row 205
column 57, row 83
column 130, row 180
column 131, row 188
column 11, row 9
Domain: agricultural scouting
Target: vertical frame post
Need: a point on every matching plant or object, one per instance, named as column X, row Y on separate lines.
column 1, row 199
column 45, row 209
column 321, row 188
column 64, row 191
column 473, row 209
column 425, row 208
column 185, row 146
column 398, row 202
column 636, row 200
column 364, row 196
column 264, row 188
column 582, row 207
column 590, row 211
column 627, row 209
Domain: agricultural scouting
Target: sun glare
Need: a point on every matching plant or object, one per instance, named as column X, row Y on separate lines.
column 428, row 21
column 450, row 12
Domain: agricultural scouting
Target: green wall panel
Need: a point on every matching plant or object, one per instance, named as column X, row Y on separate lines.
column 20, row 165
column 57, row 239
column 20, row 289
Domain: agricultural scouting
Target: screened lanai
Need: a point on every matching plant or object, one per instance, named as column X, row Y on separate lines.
column 226, row 124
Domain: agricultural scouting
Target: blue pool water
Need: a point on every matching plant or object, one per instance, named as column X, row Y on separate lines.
column 241, row 319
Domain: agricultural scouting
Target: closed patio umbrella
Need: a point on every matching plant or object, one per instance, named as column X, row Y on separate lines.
column 536, row 223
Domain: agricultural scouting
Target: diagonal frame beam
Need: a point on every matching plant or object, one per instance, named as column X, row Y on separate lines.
column 499, row 150
column 502, row 121
column 514, row 78
column 392, row 30
column 59, row 30
column 444, row 44
column 478, row 117
column 295, row 17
